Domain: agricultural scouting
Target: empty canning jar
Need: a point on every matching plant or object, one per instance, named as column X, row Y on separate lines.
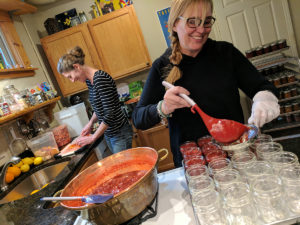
column 239, row 205
column 290, row 178
column 262, row 138
column 202, row 184
column 267, row 194
column 208, row 208
column 241, row 161
column 219, row 164
column 224, row 178
column 265, row 151
column 283, row 159
column 194, row 172
column 257, row 169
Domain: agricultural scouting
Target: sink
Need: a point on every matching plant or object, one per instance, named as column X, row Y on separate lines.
column 35, row 181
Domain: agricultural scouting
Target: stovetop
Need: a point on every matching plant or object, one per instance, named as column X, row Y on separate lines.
column 149, row 212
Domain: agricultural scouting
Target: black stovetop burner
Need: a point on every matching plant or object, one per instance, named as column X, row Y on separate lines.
column 149, row 212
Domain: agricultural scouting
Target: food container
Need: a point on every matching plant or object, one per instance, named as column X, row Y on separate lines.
column 282, row 43
column 75, row 117
column 43, row 145
column 61, row 135
column 288, row 108
column 296, row 117
column 259, row 50
column 274, row 46
column 267, row 48
column 127, row 203
column 291, row 78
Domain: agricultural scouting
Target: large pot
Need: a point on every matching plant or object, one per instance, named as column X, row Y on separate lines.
column 127, row 203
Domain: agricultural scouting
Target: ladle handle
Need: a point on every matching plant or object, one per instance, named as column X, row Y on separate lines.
column 61, row 198
column 184, row 96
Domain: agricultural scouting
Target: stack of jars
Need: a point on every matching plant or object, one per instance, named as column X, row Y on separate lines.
column 256, row 185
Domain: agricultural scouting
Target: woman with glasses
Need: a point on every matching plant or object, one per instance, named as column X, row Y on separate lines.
column 210, row 72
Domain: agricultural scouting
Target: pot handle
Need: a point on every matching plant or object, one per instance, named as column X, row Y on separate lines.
column 164, row 156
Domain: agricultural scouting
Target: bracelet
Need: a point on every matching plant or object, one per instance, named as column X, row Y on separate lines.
column 159, row 111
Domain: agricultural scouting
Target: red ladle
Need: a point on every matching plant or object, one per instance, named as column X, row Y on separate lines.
column 222, row 130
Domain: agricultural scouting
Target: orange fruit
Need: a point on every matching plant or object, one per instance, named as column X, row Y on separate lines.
column 9, row 177
column 14, row 170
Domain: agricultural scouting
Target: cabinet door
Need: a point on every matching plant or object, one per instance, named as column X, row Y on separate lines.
column 158, row 137
column 120, row 43
column 59, row 44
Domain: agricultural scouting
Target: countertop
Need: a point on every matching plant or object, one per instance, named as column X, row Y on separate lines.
column 174, row 205
column 30, row 210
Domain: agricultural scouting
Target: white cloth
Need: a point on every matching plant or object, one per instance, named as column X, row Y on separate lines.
column 265, row 108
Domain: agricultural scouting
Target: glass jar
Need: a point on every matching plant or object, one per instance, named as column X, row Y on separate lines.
column 210, row 147
column 296, row 117
column 259, row 50
column 75, row 20
column 243, row 160
column 282, row 109
column 288, row 107
column 274, row 46
column 215, row 154
column 202, row 184
column 283, row 78
column 287, row 93
column 197, row 160
column 204, row 140
column 291, row 78
column 294, row 91
column 267, row 48
column 249, row 53
column 195, row 172
column 267, row 195
column 191, row 152
column 239, row 205
column 219, row 164
column 186, row 146
column 290, row 178
column 208, row 209
column 224, row 178
column 288, row 118
column 261, row 138
column 265, row 151
column 82, row 17
column 257, row 169
column 276, row 81
column 10, row 101
column 283, row 159
column 282, row 43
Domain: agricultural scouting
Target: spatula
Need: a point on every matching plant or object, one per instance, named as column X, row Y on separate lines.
column 87, row 198
column 222, row 130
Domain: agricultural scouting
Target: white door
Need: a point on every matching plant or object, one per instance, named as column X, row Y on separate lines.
column 251, row 23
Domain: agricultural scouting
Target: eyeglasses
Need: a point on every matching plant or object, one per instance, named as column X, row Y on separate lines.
column 196, row 22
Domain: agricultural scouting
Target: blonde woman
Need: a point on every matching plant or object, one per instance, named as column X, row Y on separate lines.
column 104, row 99
column 211, row 72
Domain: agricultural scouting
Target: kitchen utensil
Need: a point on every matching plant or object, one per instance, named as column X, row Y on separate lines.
column 127, row 203
column 17, row 145
column 96, row 199
column 245, row 141
column 78, row 151
column 222, row 130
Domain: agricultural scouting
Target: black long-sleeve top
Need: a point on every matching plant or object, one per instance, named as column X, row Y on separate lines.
column 104, row 99
column 213, row 78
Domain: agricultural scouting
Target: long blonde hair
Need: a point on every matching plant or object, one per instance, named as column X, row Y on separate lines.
column 66, row 62
column 178, row 7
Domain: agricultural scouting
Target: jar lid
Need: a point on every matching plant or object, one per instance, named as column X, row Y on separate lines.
column 281, row 41
column 273, row 43
column 266, row 46
column 259, row 48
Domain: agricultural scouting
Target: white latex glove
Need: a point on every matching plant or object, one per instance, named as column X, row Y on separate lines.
column 265, row 108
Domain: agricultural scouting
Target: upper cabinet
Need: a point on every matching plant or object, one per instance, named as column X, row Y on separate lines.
column 17, row 7
column 112, row 42
column 58, row 44
column 120, row 43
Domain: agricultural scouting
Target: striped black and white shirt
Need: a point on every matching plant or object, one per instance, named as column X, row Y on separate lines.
column 104, row 99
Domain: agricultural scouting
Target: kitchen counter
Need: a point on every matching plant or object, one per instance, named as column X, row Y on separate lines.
column 174, row 205
column 30, row 210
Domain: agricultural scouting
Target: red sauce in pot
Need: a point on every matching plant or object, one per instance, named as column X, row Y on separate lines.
column 113, row 185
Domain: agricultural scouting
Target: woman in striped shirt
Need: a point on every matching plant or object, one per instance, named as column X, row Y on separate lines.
column 104, row 99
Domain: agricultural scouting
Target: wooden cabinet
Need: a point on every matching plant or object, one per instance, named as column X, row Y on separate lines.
column 60, row 43
column 120, row 43
column 158, row 137
column 113, row 43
